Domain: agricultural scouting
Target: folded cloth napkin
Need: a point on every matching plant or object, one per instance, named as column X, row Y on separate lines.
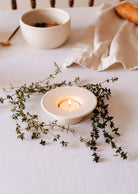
column 110, row 39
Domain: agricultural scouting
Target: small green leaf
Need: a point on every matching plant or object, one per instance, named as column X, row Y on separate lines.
column 42, row 142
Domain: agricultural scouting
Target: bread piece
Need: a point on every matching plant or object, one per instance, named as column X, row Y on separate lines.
column 128, row 11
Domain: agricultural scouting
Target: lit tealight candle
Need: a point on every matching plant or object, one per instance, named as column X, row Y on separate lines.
column 69, row 105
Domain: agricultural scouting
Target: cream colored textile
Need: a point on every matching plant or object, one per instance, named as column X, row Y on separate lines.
column 110, row 39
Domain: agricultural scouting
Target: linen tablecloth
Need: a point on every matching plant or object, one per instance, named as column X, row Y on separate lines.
column 26, row 167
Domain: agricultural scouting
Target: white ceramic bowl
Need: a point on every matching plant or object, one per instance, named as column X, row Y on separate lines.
column 51, row 100
column 45, row 37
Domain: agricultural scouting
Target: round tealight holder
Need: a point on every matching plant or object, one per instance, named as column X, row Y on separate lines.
column 69, row 104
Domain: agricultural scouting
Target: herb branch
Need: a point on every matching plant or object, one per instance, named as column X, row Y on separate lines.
column 101, row 121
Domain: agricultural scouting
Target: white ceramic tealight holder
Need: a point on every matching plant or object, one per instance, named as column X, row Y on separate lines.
column 68, row 104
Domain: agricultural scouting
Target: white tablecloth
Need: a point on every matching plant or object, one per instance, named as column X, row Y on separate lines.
column 26, row 167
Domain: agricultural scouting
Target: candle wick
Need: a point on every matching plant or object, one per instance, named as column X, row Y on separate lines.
column 69, row 102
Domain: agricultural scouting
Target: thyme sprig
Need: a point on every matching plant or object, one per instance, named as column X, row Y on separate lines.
column 101, row 121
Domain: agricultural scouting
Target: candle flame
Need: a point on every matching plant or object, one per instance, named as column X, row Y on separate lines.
column 69, row 102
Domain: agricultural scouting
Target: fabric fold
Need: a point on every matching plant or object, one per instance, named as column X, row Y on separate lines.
column 110, row 39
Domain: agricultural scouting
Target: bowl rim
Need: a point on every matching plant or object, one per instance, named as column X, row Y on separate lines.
column 50, row 97
column 47, row 8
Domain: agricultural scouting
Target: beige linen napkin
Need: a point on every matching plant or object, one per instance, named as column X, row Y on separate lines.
column 110, row 39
